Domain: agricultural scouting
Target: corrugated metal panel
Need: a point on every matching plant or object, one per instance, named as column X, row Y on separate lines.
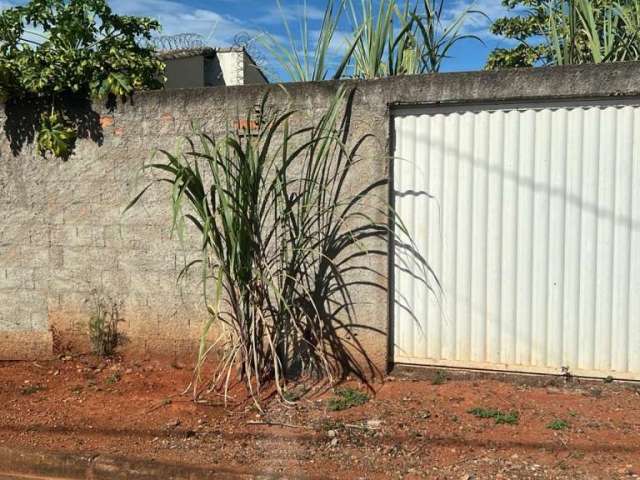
column 530, row 220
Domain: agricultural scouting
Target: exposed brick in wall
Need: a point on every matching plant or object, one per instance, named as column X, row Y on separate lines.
column 63, row 233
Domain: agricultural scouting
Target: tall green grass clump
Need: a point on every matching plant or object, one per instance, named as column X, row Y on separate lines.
column 282, row 241
column 369, row 39
column 403, row 38
column 305, row 55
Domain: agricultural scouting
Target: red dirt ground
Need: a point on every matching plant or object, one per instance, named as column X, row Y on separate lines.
column 409, row 429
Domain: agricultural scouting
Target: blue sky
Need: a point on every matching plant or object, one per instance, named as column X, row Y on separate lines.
column 221, row 21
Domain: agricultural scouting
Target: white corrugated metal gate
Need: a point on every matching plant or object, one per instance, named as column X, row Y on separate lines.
column 530, row 221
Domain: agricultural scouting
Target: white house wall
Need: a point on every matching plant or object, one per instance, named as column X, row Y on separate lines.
column 232, row 66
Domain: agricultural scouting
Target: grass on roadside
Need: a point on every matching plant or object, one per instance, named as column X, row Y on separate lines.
column 508, row 418
column 31, row 389
column 558, row 424
column 114, row 378
column 439, row 378
column 346, row 398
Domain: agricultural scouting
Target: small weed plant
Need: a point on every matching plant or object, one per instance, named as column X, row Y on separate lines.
column 329, row 424
column 501, row 418
column 31, row 389
column 290, row 396
column 507, row 418
column 483, row 412
column 103, row 325
column 439, row 378
column 114, row 378
column 347, row 398
column 558, row 424
column 293, row 395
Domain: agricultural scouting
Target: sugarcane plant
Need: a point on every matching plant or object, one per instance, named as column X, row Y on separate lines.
column 378, row 39
column 284, row 242
column 585, row 31
column 304, row 56
column 407, row 38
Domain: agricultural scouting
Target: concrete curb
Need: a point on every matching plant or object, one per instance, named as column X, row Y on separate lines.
column 57, row 466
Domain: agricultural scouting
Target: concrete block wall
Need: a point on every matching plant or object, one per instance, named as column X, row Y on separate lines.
column 63, row 234
column 64, row 240
column 64, row 237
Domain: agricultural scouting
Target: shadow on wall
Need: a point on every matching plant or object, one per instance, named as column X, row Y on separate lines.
column 23, row 119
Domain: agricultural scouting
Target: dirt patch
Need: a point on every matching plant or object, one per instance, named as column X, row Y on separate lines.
column 460, row 429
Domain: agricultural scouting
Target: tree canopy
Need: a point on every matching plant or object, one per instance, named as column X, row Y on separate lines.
column 49, row 48
column 524, row 28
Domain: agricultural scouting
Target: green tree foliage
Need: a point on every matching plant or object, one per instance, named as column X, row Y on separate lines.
column 566, row 32
column 53, row 48
column 529, row 26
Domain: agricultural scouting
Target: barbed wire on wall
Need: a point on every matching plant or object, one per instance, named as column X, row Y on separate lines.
column 251, row 44
column 180, row 41
column 187, row 41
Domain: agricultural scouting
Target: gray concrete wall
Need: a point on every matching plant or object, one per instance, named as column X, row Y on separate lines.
column 63, row 234
column 252, row 73
column 213, row 72
column 187, row 72
column 227, row 67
